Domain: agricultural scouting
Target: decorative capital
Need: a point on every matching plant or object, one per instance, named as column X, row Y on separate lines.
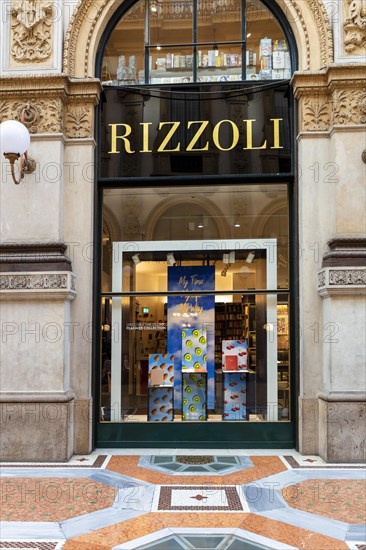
column 331, row 98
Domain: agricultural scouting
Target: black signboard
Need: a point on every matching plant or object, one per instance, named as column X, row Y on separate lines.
column 215, row 130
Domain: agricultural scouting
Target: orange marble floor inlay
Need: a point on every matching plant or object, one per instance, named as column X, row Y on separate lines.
column 263, row 466
column 106, row 538
column 341, row 499
column 52, row 499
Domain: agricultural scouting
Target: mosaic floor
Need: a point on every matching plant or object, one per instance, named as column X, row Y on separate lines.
column 184, row 500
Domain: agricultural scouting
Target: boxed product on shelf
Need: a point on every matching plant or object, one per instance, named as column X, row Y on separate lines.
column 278, row 74
column 287, row 60
column 278, row 60
column 266, row 63
column 287, row 73
column 231, row 362
column 194, row 349
column 265, row 74
column 189, row 61
column 164, row 363
column 161, row 408
column 194, row 396
column 234, row 396
column 251, row 58
column 160, row 63
column 265, row 47
column 204, row 60
column 169, row 60
column 233, row 60
column 235, row 347
column 212, row 54
column 280, row 46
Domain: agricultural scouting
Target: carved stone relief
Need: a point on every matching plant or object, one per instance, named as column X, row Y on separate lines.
column 79, row 121
column 316, row 114
column 32, row 282
column 341, row 277
column 41, row 116
column 51, row 105
column 31, row 31
column 335, row 97
column 355, row 27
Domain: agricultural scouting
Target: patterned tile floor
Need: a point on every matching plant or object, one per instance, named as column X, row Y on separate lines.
column 161, row 499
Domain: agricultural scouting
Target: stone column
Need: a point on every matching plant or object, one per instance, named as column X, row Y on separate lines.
column 47, row 244
column 331, row 212
column 342, row 398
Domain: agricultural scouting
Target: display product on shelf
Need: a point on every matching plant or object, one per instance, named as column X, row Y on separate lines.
column 237, row 348
column 164, row 363
column 234, row 396
column 194, row 349
column 161, row 407
column 194, row 396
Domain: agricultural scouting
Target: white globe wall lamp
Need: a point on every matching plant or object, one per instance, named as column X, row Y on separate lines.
column 14, row 142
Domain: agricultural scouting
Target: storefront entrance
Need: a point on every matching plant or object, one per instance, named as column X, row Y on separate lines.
column 195, row 197
column 197, row 330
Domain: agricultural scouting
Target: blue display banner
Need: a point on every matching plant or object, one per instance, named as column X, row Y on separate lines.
column 191, row 312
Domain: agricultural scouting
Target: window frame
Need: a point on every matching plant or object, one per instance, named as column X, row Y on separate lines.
column 128, row 4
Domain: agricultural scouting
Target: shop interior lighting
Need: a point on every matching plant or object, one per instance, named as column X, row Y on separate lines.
column 136, row 259
column 14, row 142
column 170, row 259
column 153, row 6
column 249, row 259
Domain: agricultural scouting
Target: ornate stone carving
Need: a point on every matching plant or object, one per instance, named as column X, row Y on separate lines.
column 334, row 97
column 321, row 278
column 316, row 114
column 33, row 282
column 41, row 116
column 349, row 107
column 31, row 30
column 355, row 26
column 79, row 121
column 331, row 278
column 324, row 31
column 347, row 277
column 52, row 104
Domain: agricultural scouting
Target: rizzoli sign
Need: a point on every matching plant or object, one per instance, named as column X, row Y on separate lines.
column 226, row 135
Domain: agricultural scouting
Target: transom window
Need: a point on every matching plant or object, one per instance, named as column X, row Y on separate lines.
column 190, row 41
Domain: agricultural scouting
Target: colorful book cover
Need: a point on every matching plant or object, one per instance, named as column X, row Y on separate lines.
column 231, row 362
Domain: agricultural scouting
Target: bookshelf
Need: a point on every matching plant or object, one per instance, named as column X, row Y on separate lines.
column 228, row 325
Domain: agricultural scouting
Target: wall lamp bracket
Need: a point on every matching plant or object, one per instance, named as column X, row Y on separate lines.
column 14, row 142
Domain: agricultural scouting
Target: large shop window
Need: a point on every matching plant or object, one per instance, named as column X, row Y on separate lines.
column 183, row 41
column 195, row 304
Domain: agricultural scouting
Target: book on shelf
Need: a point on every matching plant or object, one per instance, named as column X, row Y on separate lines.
column 231, row 362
